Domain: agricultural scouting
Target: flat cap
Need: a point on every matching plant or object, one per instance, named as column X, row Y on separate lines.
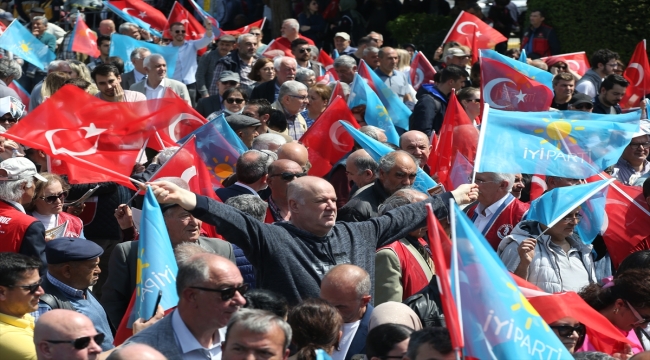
column 238, row 121
column 227, row 37
column 580, row 98
column 229, row 76
column 65, row 249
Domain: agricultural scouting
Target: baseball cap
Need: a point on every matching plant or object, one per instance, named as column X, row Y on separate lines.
column 5, row 15
column 454, row 51
column 346, row 36
column 229, row 76
column 18, row 168
column 238, row 121
column 227, row 37
column 580, row 98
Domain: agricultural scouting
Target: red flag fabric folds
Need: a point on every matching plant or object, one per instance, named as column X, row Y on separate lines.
column 246, row 29
column 143, row 11
column 178, row 125
column 180, row 14
column 577, row 61
column 638, row 74
column 325, row 59
column 421, row 71
column 85, row 41
column 466, row 25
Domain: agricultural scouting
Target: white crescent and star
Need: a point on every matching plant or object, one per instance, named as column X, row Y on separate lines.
column 172, row 127
column 639, row 68
column 576, row 66
column 334, row 133
column 91, row 131
column 188, row 174
column 463, row 24
column 487, row 92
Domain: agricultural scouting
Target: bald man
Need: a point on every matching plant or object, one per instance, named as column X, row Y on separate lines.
column 281, row 173
column 387, row 71
column 293, row 256
column 296, row 152
column 136, row 351
column 361, row 169
column 417, row 144
column 66, row 334
column 106, row 27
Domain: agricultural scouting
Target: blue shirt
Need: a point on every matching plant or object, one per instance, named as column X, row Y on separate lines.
column 397, row 82
column 186, row 64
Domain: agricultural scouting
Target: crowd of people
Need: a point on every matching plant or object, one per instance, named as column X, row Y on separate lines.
column 303, row 266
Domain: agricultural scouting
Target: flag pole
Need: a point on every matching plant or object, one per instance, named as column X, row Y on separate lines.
column 454, row 263
column 481, row 140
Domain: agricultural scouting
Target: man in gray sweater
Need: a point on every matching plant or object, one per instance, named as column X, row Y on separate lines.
column 292, row 257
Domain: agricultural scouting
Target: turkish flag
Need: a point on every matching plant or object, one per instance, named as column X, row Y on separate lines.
column 179, row 14
column 84, row 40
column 431, row 161
column 638, row 74
column 337, row 92
column 328, row 141
column 3, row 27
column 577, row 61
column 246, row 29
column 457, row 135
column 330, row 76
column 142, row 11
column 325, row 59
column 421, row 71
column 537, row 186
column 466, row 25
column 274, row 49
column 506, row 89
column 104, row 137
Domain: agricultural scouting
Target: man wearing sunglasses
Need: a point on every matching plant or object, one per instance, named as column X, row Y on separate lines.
column 580, row 102
column 281, row 173
column 252, row 175
column 633, row 163
column 301, row 50
column 19, row 293
column 67, row 334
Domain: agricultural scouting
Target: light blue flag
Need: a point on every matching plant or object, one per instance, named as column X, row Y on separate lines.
column 322, row 355
column 73, row 34
column 156, row 267
column 335, row 54
column 571, row 144
column 132, row 19
column 397, row 110
column 498, row 322
column 522, row 57
column 20, row 41
column 376, row 114
column 122, row 46
column 555, row 204
column 228, row 133
column 376, row 150
column 542, row 76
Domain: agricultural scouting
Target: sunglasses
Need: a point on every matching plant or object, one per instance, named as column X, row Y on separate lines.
column 179, row 31
column 639, row 319
column 231, row 83
column 563, row 67
column 52, row 198
column 226, row 294
column 82, row 342
column 566, row 330
column 256, row 34
column 305, row 50
column 234, row 100
column 584, row 106
column 9, row 119
column 32, row 288
column 287, row 176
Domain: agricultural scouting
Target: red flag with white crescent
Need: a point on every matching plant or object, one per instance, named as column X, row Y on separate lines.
column 246, row 29
column 194, row 30
column 467, row 25
column 638, row 74
column 421, row 71
column 84, row 40
column 143, row 11
column 577, row 61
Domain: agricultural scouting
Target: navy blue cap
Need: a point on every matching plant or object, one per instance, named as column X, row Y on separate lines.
column 65, row 249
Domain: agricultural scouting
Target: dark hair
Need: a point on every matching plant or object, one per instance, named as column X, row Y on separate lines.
column 315, row 325
column 117, row 62
column 540, row 11
column 646, row 188
column 259, row 64
column 251, row 168
column 602, row 56
column 263, row 106
column 452, row 72
column 104, row 70
column 267, row 300
column 613, row 79
column 466, row 93
column 636, row 260
column 13, row 267
column 277, row 121
column 437, row 337
column 366, row 40
column 232, row 90
column 78, row 82
column 632, row 285
column 383, row 338
column 563, row 76
column 298, row 42
column 102, row 38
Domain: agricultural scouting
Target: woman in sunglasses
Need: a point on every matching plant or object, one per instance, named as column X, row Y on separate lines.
column 233, row 102
column 470, row 100
column 47, row 206
column 11, row 110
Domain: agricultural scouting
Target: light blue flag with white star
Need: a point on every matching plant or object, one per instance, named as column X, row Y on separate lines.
column 541, row 76
column 20, row 41
column 376, row 113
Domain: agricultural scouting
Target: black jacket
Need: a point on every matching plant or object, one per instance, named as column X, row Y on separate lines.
column 207, row 106
column 231, row 191
column 600, row 108
column 429, row 112
column 265, row 91
column 363, row 206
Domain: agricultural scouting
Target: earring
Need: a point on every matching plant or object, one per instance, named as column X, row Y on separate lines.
column 616, row 311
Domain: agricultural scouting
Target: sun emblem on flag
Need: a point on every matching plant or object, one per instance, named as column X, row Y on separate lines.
column 559, row 131
column 525, row 305
column 24, row 46
column 138, row 273
column 221, row 169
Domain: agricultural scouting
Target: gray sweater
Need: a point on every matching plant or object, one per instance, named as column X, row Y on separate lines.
column 292, row 261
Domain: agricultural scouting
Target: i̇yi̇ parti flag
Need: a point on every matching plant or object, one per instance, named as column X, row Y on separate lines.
column 83, row 39
column 375, row 113
column 638, row 74
column 466, row 25
column 143, row 11
column 421, row 71
column 576, row 61
column 522, row 57
column 531, row 72
column 179, row 14
column 498, row 322
column 130, row 18
column 206, row 16
column 20, row 41
column 335, row 54
column 122, row 46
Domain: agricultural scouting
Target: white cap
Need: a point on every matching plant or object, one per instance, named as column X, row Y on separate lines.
column 644, row 128
column 343, row 35
column 18, row 168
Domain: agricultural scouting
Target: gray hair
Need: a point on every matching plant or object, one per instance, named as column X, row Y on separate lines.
column 510, row 178
column 259, row 322
column 263, row 141
column 127, row 26
column 292, row 22
column 12, row 189
column 291, row 87
column 186, row 249
column 73, row 16
column 55, row 65
column 42, row 19
column 372, row 131
column 387, row 162
column 166, row 154
column 303, row 74
column 136, row 54
column 9, row 68
column 363, row 163
column 345, row 61
column 191, row 273
column 401, row 197
column 593, row 355
column 250, row 169
column 243, row 37
column 345, row 87
column 277, row 62
column 250, row 204
column 151, row 57
column 370, row 49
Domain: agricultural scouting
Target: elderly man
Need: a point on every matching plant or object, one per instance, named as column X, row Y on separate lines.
column 396, row 80
column 72, row 268
column 132, row 30
column 268, row 141
column 397, row 170
column 10, row 70
column 67, row 334
column 36, row 98
column 21, row 233
column 297, row 152
column 246, row 127
column 252, row 174
column 138, row 73
column 281, row 173
column 289, row 31
column 208, row 63
column 157, row 82
column 213, row 103
column 362, row 44
column 347, row 287
column 342, row 44
column 404, row 267
column 186, row 64
column 136, row 351
column 293, row 256
column 301, row 50
column 371, row 57
column 182, row 228
column 260, row 109
column 345, row 68
column 379, row 38
column 361, row 169
column 285, row 70
column 106, row 27
column 239, row 61
column 251, row 332
column 292, row 99
column 417, row 144
column 633, row 163
column 496, row 211
column 456, row 56
column 109, row 83
column 20, row 290
column 210, row 290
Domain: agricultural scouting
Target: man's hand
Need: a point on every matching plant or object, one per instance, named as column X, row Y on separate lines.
column 76, row 210
column 526, row 251
column 124, row 216
column 465, row 194
column 119, row 93
column 138, row 169
column 145, row 35
column 140, row 324
column 168, row 193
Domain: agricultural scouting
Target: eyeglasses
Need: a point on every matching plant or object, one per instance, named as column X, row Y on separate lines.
column 567, row 219
column 9, row 119
column 301, row 98
column 32, row 288
column 639, row 319
column 234, row 100
column 479, row 181
column 305, row 50
column 226, row 294
column 566, row 330
column 643, row 144
column 52, row 198
column 287, row 176
column 82, row 342
column 584, row 106
column 563, row 67
column 231, row 83
column 179, row 31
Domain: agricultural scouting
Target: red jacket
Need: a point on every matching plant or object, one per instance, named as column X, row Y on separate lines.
column 414, row 278
column 505, row 221
column 545, row 42
column 75, row 225
column 21, row 233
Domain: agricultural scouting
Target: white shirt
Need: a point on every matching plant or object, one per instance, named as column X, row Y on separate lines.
column 481, row 220
column 586, row 87
column 190, row 347
column 156, row 93
column 49, row 221
column 349, row 330
column 138, row 76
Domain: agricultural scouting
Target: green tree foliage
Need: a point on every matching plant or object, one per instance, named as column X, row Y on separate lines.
column 425, row 31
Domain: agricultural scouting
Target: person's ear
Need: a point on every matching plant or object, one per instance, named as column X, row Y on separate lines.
column 365, row 300
column 293, row 206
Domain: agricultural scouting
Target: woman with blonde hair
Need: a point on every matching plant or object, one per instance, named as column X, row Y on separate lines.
column 81, row 71
column 47, row 206
column 52, row 83
column 403, row 60
column 319, row 96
